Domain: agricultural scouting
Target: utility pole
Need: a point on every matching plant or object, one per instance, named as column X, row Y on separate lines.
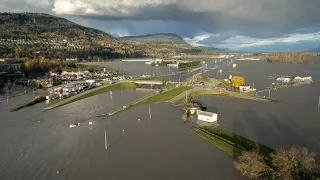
column 269, row 93
column 105, row 139
column 149, row 112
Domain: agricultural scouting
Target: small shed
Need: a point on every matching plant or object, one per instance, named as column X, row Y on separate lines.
column 207, row 116
column 244, row 88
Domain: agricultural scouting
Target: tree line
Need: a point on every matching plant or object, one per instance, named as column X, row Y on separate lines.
column 188, row 65
column 288, row 58
column 286, row 164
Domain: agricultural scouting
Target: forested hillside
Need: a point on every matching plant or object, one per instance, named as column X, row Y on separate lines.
column 34, row 34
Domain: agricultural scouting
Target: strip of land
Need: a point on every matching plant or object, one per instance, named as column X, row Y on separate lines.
column 93, row 92
column 231, row 144
column 162, row 97
column 217, row 92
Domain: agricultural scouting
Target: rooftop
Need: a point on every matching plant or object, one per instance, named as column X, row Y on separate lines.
column 205, row 113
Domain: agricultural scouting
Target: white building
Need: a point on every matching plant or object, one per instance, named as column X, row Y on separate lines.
column 298, row 78
column 244, row 88
column 284, row 79
column 207, row 116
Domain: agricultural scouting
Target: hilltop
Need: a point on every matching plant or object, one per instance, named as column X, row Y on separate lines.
column 36, row 34
column 166, row 43
column 169, row 38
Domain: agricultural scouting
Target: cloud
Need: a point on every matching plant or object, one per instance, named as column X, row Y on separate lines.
column 238, row 42
column 195, row 40
column 232, row 24
column 263, row 17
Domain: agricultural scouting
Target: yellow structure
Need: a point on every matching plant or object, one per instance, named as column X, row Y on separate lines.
column 237, row 81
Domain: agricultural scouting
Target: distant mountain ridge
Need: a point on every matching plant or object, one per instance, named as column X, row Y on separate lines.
column 165, row 43
column 158, row 37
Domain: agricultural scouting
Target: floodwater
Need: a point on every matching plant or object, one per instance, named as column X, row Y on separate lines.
column 276, row 125
column 37, row 144
column 135, row 68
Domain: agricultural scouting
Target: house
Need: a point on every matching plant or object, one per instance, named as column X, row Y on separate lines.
column 207, row 116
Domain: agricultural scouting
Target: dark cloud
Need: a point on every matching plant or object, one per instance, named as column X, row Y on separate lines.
column 258, row 19
column 264, row 18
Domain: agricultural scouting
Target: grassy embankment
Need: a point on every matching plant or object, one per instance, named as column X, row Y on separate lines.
column 217, row 93
column 34, row 101
column 194, row 78
column 230, row 143
column 107, row 88
column 168, row 86
column 162, row 97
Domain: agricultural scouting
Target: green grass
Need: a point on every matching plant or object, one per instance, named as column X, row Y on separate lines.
column 223, row 94
column 233, row 143
column 54, row 101
column 34, row 101
column 168, row 86
column 162, row 97
column 197, row 93
column 196, row 77
column 224, row 146
column 165, row 96
column 206, row 80
column 122, row 85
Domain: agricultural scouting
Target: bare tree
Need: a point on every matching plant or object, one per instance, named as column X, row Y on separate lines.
column 251, row 164
column 294, row 163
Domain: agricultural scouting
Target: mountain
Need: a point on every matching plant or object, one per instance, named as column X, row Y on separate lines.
column 168, row 38
column 215, row 49
column 37, row 34
column 316, row 49
column 166, row 43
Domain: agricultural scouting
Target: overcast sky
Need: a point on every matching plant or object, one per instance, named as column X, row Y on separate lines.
column 234, row 24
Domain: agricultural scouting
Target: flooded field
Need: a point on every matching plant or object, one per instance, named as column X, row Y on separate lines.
column 135, row 68
column 36, row 144
column 273, row 124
